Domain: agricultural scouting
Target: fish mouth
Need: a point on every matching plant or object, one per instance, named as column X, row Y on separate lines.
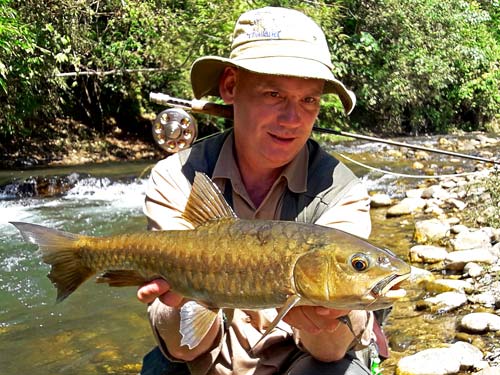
column 389, row 288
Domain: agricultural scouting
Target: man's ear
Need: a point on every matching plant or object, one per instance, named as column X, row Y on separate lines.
column 227, row 84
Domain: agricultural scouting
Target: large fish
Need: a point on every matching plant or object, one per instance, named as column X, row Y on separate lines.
column 226, row 262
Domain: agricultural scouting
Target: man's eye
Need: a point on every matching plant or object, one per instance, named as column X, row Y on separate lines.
column 274, row 94
column 310, row 100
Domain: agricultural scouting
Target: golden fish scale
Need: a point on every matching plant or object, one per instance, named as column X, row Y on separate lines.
column 227, row 263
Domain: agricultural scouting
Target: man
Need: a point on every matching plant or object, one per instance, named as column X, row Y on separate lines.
column 267, row 168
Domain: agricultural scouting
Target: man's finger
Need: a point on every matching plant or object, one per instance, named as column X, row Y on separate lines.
column 149, row 292
column 172, row 299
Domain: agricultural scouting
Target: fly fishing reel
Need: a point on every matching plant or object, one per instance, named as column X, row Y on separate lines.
column 174, row 129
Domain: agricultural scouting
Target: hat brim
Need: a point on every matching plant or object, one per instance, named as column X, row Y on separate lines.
column 206, row 72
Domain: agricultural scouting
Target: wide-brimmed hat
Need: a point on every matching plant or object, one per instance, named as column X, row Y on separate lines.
column 275, row 41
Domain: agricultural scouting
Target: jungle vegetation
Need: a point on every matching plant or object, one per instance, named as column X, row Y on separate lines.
column 416, row 66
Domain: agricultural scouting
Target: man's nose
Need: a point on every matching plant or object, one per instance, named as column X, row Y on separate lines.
column 290, row 113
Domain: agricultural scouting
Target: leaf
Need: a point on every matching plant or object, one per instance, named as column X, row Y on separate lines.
column 61, row 57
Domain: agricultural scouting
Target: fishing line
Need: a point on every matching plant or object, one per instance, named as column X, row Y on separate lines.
column 490, row 170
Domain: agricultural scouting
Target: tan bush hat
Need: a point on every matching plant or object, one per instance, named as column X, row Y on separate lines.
column 275, row 41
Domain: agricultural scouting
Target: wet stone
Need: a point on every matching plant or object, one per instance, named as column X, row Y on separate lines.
column 455, row 229
column 449, row 285
column 443, row 302
column 440, row 361
column 432, row 230
column 471, row 240
column 458, row 259
column 457, row 203
column 380, row 200
column 428, row 254
column 448, row 184
column 414, row 193
column 419, row 275
column 473, row 269
column 406, row 207
column 453, row 221
column 486, row 299
column 489, row 371
column 480, row 322
column 437, row 192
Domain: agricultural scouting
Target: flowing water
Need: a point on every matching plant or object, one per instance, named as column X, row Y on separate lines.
column 100, row 330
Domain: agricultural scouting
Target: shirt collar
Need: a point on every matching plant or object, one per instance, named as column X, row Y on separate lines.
column 294, row 172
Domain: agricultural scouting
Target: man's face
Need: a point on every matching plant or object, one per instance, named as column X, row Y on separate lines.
column 273, row 116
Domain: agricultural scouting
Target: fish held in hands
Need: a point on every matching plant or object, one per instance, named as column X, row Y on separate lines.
column 226, row 262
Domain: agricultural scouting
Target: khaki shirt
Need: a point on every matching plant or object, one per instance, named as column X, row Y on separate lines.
column 166, row 197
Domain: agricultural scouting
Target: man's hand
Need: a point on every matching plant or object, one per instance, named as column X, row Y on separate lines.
column 320, row 332
column 159, row 288
column 314, row 319
column 165, row 319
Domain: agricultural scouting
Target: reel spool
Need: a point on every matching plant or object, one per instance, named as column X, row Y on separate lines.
column 174, row 130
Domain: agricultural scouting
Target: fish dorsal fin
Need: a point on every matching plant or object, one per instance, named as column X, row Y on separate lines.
column 292, row 301
column 206, row 202
column 196, row 321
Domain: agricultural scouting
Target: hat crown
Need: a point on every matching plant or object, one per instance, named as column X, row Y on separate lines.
column 274, row 41
column 273, row 31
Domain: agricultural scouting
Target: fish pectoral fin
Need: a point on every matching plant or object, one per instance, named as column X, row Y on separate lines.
column 122, row 278
column 196, row 321
column 289, row 304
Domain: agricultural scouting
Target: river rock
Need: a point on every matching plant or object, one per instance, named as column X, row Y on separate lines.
column 496, row 235
column 471, row 240
column 414, row 193
column 443, row 302
column 427, row 254
column 422, row 155
column 458, row 228
column 417, row 165
column 457, row 203
column 495, row 250
column 432, row 230
column 486, row 141
column 406, row 206
column 448, row 184
column 480, row 322
column 380, row 200
column 453, row 221
column 449, row 285
column 473, row 269
column 489, row 371
column 440, row 361
column 456, row 260
column 433, row 209
column 486, row 298
column 418, row 275
column 437, row 192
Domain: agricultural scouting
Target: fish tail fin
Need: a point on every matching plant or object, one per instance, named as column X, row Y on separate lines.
column 58, row 249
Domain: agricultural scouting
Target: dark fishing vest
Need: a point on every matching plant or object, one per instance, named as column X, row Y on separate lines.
column 327, row 179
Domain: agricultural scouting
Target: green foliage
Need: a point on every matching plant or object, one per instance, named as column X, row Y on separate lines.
column 416, row 66
column 18, row 69
column 421, row 66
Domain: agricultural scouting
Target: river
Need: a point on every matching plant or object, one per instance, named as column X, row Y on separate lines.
column 101, row 330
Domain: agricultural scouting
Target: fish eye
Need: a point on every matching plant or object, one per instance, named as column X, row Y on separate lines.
column 359, row 262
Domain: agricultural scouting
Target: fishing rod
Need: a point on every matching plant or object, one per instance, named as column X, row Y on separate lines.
column 175, row 129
